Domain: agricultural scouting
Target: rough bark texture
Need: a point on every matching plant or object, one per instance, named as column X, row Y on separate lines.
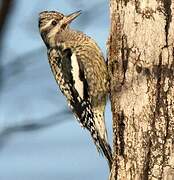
column 141, row 68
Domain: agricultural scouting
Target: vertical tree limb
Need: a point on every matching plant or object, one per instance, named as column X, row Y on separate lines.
column 5, row 9
column 141, row 69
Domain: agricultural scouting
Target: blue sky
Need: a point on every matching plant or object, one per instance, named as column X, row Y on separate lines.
column 60, row 149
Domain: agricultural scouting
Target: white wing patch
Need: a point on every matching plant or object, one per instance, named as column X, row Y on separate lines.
column 75, row 73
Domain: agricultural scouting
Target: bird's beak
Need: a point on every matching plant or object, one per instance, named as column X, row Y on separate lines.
column 71, row 17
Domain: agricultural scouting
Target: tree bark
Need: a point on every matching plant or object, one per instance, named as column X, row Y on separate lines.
column 141, row 69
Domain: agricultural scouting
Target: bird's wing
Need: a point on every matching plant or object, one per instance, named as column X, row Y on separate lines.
column 72, row 71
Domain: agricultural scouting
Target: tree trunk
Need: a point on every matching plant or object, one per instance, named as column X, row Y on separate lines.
column 141, row 69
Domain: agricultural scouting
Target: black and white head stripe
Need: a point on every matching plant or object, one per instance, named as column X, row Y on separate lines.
column 46, row 18
column 48, row 15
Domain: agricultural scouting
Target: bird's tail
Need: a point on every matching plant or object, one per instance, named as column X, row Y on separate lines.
column 102, row 140
column 106, row 151
column 94, row 122
column 102, row 146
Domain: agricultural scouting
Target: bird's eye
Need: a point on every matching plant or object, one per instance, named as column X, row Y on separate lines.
column 54, row 23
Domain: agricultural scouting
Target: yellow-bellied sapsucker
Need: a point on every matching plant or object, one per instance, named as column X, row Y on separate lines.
column 81, row 73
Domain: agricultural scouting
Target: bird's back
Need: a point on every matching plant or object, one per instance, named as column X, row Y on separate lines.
column 91, row 57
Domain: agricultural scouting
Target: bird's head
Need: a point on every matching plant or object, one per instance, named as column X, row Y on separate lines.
column 52, row 22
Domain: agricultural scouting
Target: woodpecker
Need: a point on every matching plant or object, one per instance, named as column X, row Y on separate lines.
column 80, row 71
